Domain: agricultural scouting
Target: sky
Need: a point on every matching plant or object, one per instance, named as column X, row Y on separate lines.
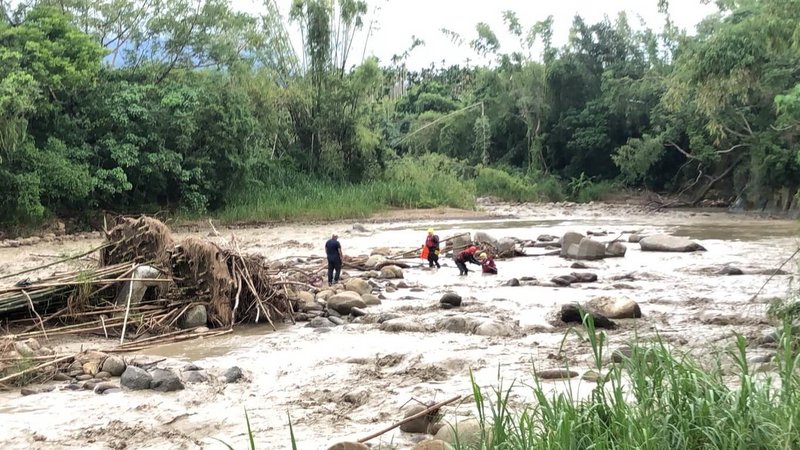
column 396, row 21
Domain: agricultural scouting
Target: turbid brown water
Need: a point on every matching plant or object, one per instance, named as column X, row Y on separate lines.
column 354, row 379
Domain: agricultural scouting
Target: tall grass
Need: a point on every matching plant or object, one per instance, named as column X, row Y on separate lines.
column 658, row 400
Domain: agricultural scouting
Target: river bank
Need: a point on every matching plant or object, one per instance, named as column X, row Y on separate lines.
column 353, row 379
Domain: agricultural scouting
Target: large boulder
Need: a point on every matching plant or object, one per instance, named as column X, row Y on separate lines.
column 616, row 249
column 305, row 297
column 375, row 260
column 165, row 381
column 569, row 238
column 196, row 316
column 401, row 326
column 666, row 243
column 135, row 378
column 615, row 308
column 370, row 299
column 460, row 242
column 114, row 365
column 451, row 298
column 571, row 313
column 457, row 324
column 358, row 285
column 418, row 425
column 484, row 237
column 506, row 247
column 589, row 249
column 345, row 301
column 391, row 272
column 493, row 328
column 467, row 433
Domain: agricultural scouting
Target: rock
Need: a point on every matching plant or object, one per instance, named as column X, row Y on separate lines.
column 348, row 446
column 591, row 376
column 512, row 282
column 338, row 320
column 357, row 312
column 114, row 365
column 343, row 302
column 583, row 277
column 432, row 444
column 165, row 381
column 195, row 376
column 370, row 299
column 758, row 359
column 84, row 377
column 400, row 285
column 190, row 367
column 24, row 350
column 563, row 280
column 101, row 388
column 103, row 376
column 310, row 306
column 506, row 247
column 325, row 295
column 75, row 373
column 233, row 374
column 391, row 272
column 360, row 228
column 621, row 354
column 728, row 270
column 61, row 376
column 546, row 238
column 112, row 391
column 305, row 297
column 597, row 233
column 457, row 324
column 616, row 249
column 451, row 298
column 320, row 322
column 390, row 289
column 493, row 328
column 358, row 285
column 375, row 261
column 666, row 243
column 569, row 239
column 589, row 249
column 383, row 251
column 557, row 374
column 401, row 325
column 28, row 391
column 484, row 237
column 385, row 317
column 418, row 425
column 615, row 308
column 466, row 433
column 634, row 238
column 459, row 242
column 570, row 313
column 92, row 367
column 135, row 378
column 194, row 317
column 580, row 265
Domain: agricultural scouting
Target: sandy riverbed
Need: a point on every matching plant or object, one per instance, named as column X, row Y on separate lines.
column 354, row 379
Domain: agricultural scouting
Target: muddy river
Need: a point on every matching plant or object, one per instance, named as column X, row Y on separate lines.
column 354, row 379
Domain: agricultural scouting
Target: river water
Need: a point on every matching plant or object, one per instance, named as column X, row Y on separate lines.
column 355, row 379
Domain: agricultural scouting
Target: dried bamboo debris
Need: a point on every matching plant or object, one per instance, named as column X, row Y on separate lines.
column 234, row 288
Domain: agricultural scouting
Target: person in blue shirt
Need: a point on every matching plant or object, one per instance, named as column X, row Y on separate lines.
column 333, row 249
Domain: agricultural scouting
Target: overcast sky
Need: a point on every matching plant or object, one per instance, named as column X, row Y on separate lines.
column 398, row 20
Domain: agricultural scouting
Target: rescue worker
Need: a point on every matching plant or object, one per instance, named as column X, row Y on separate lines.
column 487, row 264
column 333, row 250
column 465, row 256
column 432, row 243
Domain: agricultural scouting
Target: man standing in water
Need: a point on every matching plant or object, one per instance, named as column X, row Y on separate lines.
column 466, row 256
column 333, row 249
column 432, row 242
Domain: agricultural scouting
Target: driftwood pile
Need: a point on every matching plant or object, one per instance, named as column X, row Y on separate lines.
column 234, row 288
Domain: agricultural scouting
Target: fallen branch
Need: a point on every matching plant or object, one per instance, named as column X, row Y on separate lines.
column 425, row 412
column 35, row 368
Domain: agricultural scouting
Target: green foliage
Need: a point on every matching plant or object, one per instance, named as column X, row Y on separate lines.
column 656, row 399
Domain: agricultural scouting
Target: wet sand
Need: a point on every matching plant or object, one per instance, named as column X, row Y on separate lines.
column 355, row 379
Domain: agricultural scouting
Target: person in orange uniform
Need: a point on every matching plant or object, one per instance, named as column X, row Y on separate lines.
column 487, row 264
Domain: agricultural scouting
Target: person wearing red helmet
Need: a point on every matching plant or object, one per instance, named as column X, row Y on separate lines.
column 465, row 256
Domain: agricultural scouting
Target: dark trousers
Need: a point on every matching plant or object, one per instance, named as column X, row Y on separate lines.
column 433, row 258
column 462, row 267
column 337, row 266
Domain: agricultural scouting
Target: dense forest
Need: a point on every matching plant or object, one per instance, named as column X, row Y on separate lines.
column 191, row 107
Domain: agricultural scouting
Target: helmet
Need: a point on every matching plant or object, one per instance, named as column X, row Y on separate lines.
column 430, row 230
column 482, row 256
column 472, row 249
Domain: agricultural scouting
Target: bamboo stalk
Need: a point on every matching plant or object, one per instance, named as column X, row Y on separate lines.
column 409, row 419
column 127, row 310
column 35, row 368
column 59, row 261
